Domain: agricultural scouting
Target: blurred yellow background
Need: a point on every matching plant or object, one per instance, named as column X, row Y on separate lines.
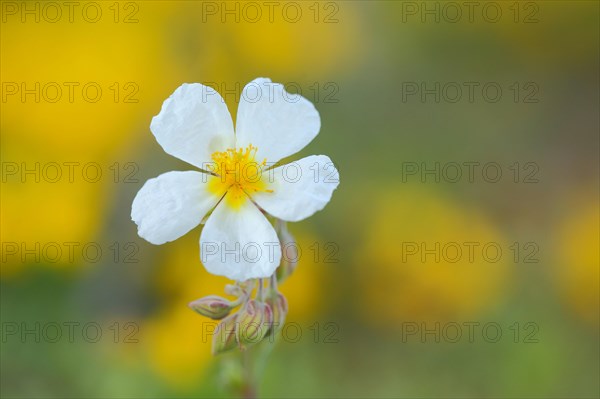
column 386, row 279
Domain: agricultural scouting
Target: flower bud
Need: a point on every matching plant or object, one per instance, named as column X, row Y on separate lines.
column 255, row 320
column 212, row 306
column 279, row 306
column 224, row 337
column 290, row 253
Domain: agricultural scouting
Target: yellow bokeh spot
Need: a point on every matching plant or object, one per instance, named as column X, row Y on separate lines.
column 238, row 174
column 176, row 341
column 579, row 255
column 417, row 260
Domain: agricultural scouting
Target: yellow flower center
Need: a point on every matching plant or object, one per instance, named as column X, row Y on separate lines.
column 238, row 174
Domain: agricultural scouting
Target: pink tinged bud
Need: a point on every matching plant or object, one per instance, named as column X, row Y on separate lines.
column 279, row 305
column 255, row 320
column 212, row 306
column 224, row 338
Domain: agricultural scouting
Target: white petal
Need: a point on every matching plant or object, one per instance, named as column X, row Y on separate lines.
column 239, row 244
column 193, row 123
column 172, row 204
column 300, row 188
column 278, row 123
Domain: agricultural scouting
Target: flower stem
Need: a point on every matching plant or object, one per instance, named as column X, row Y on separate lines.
column 259, row 293
column 273, row 279
column 249, row 385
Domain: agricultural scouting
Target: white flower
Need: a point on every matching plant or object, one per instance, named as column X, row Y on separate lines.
column 194, row 125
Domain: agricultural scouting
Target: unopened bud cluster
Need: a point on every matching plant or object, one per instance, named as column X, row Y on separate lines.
column 258, row 312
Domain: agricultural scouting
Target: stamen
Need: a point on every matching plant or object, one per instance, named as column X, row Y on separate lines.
column 238, row 174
